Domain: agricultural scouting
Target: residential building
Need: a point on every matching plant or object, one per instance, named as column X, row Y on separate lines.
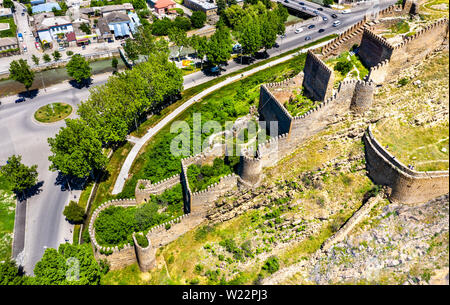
column 103, row 31
column 5, row 12
column 83, row 38
column 36, row 2
column 208, row 7
column 120, row 8
column 118, row 23
column 163, row 7
column 49, row 27
column 8, row 43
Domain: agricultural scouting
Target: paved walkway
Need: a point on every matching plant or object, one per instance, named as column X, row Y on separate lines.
column 124, row 171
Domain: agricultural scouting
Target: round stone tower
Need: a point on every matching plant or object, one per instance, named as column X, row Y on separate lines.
column 362, row 96
column 145, row 256
column 250, row 169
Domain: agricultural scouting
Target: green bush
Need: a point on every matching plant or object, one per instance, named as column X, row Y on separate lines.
column 141, row 240
column 271, row 265
column 343, row 67
column 74, row 213
column 403, row 81
column 200, row 177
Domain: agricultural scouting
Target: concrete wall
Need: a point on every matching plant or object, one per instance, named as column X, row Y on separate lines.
column 318, row 79
column 408, row 186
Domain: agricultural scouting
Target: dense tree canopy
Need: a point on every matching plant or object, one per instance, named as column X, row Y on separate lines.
column 76, row 150
column 21, row 72
column 19, row 175
column 79, row 68
column 70, row 265
column 220, row 46
column 198, row 19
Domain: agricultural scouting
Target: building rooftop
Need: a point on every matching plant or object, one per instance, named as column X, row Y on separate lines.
column 50, row 21
column 205, row 4
column 117, row 17
column 7, row 41
column 5, row 11
column 119, row 7
column 45, row 7
column 163, row 3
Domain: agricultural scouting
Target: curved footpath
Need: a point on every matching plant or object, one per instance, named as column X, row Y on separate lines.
column 139, row 143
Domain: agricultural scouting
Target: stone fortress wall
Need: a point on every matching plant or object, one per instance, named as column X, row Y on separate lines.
column 355, row 95
column 408, row 186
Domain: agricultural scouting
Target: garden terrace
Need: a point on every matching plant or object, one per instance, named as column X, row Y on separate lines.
column 115, row 225
column 200, row 177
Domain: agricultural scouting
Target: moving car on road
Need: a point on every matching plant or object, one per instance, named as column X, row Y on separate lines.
column 320, row 9
column 20, row 36
column 312, row 26
column 336, row 23
column 299, row 30
column 347, row 11
column 321, row 30
column 334, row 15
column 324, row 18
column 301, row 3
column 308, row 38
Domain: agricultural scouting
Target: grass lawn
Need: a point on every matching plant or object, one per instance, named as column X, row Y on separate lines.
column 434, row 9
column 7, row 213
column 299, row 105
column 11, row 32
column 358, row 70
column 53, row 112
column 426, row 148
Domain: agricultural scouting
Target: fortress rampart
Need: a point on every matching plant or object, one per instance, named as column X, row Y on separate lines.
column 408, row 186
column 318, row 78
column 385, row 60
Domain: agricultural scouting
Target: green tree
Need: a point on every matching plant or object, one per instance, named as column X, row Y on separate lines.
column 19, row 175
column 198, row 19
column 220, row 46
column 183, row 23
column 249, row 36
column 144, row 43
column 74, row 213
column 268, row 29
column 70, row 265
column 79, row 68
column 56, row 55
column 200, row 45
column 179, row 38
column 114, row 63
column 46, row 58
column 35, row 59
column 139, row 4
column 221, row 6
column 76, row 150
column 21, row 72
column 8, row 4
column 10, row 273
column 85, row 28
column 328, row 2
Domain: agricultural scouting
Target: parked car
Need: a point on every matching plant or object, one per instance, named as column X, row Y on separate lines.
column 215, row 69
column 287, row 1
column 38, row 46
column 61, row 48
column 302, row 3
column 20, row 100
column 23, row 14
column 25, row 48
column 312, row 26
column 334, row 15
column 347, row 11
column 19, row 35
column 31, row 34
column 315, row 12
column 308, row 38
column 321, row 30
column 299, row 30
column 283, row 36
column 320, row 9
column 324, row 18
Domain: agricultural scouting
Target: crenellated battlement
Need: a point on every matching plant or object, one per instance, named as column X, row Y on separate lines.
column 441, row 23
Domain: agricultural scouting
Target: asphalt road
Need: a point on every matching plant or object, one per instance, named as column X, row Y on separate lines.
column 20, row 134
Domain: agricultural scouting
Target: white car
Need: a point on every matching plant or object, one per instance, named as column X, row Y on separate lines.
column 347, row 11
column 336, row 23
column 299, row 30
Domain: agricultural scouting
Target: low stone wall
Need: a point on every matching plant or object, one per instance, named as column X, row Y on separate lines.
column 350, row 224
column 143, row 194
column 213, row 192
column 408, row 186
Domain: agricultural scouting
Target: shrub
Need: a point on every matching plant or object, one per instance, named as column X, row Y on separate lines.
column 343, row 67
column 141, row 240
column 271, row 265
column 171, row 259
column 198, row 268
column 403, row 81
column 69, row 53
column 74, row 213
column 168, row 226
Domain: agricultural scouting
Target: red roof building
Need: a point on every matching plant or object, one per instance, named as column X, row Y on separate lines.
column 164, row 6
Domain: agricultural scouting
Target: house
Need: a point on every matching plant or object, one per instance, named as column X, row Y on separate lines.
column 83, row 38
column 6, row 12
column 120, row 8
column 49, row 27
column 8, row 43
column 119, row 23
column 163, row 7
column 103, row 31
column 45, row 7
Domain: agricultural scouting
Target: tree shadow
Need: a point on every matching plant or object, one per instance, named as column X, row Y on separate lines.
column 83, row 84
column 24, row 95
column 28, row 193
column 67, row 182
column 244, row 60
